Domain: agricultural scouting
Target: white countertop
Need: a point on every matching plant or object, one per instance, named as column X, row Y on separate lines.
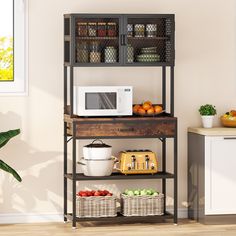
column 216, row 131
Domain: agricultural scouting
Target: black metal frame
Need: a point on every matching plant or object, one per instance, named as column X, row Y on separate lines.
column 74, row 177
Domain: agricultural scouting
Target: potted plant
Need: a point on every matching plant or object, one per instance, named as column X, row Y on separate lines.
column 4, row 138
column 207, row 113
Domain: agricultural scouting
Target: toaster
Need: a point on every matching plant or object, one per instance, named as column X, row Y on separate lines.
column 137, row 162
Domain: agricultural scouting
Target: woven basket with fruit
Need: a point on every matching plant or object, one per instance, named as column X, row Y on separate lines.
column 147, row 109
column 229, row 119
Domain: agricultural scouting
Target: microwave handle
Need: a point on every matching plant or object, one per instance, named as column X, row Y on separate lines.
column 120, row 96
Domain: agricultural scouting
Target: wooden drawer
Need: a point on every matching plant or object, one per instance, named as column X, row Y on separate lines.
column 126, row 129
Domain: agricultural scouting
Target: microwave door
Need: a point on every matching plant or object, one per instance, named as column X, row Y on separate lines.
column 101, row 101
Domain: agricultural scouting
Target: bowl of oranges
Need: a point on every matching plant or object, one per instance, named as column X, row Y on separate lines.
column 229, row 119
column 147, row 109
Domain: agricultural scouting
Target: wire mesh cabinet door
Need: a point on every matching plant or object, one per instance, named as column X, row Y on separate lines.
column 97, row 40
column 149, row 40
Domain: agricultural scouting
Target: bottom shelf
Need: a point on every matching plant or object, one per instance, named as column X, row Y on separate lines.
column 125, row 219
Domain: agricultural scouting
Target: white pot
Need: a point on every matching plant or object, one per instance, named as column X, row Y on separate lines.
column 207, row 121
column 97, row 151
column 97, row 167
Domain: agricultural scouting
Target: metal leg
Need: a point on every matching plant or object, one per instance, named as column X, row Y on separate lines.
column 164, row 170
column 172, row 94
column 164, row 87
column 175, row 177
column 74, row 177
column 65, row 171
column 65, row 89
column 71, row 90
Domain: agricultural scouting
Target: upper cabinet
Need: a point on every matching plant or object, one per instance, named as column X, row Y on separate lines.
column 119, row 40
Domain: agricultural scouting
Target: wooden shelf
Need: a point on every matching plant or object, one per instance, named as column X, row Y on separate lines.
column 124, row 219
column 97, row 38
column 120, row 176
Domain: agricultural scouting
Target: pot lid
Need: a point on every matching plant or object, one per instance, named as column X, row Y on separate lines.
column 95, row 144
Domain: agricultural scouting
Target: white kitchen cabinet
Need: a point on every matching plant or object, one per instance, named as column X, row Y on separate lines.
column 212, row 174
column 220, row 175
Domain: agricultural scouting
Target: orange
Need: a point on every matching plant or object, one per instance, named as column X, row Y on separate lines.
column 136, row 107
column 146, row 106
column 150, row 111
column 157, row 109
column 141, row 111
column 149, row 102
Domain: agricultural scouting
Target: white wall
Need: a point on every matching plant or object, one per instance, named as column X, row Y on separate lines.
column 205, row 73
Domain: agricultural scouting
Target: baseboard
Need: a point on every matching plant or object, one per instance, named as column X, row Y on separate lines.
column 30, row 218
column 15, row 218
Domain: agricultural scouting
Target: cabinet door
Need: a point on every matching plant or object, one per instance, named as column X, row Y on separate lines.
column 149, row 40
column 97, row 40
column 220, row 175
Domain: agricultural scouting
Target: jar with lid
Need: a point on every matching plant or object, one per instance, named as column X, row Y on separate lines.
column 129, row 30
column 82, row 29
column 111, row 29
column 139, row 30
column 95, row 52
column 82, row 52
column 110, row 54
column 101, row 29
column 130, row 53
column 151, row 30
column 92, row 29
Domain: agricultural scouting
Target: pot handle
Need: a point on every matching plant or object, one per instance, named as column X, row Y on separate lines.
column 81, row 163
column 95, row 140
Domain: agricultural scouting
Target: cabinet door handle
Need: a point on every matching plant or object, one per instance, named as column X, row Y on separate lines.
column 122, row 41
column 230, row 138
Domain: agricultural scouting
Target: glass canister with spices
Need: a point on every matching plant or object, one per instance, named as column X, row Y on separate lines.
column 82, row 29
column 110, row 54
column 151, row 30
column 111, row 29
column 101, row 29
column 139, row 30
column 82, row 52
column 129, row 30
column 95, row 52
column 92, row 29
column 130, row 53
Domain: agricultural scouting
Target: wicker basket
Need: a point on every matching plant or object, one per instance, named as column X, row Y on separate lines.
column 142, row 205
column 97, row 206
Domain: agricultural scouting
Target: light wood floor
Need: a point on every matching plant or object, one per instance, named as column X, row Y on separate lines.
column 185, row 228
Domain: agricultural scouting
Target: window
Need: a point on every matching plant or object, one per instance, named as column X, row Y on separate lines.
column 13, row 76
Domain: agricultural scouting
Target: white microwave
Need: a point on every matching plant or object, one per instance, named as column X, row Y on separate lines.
column 103, row 100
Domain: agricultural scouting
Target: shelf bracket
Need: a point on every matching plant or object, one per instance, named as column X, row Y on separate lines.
column 161, row 139
column 69, row 139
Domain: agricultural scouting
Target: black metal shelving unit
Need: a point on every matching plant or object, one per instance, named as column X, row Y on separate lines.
column 165, row 127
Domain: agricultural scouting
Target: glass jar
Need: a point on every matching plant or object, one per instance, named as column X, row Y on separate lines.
column 92, row 29
column 82, row 29
column 151, row 30
column 130, row 30
column 111, row 29
column 110, row 54
column 130, row 54
column 95, row 52
column 139, row 30
column 82, row 52
column 101, row 29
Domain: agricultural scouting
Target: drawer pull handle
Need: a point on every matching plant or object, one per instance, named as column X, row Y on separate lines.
column 230, row 138
column 126, row 130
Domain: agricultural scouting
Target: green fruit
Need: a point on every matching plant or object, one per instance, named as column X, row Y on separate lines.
column 130, row 193
column 136, row 192
column 155, row 194
column 126, row 191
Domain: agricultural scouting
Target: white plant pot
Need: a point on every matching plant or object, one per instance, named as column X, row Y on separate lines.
column 207, row 121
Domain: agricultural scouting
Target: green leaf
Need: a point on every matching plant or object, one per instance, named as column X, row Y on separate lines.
column 6, row 136
column 10, row 170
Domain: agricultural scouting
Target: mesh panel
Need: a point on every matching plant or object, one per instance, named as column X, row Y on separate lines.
column 149, row 40
column 97, row 40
